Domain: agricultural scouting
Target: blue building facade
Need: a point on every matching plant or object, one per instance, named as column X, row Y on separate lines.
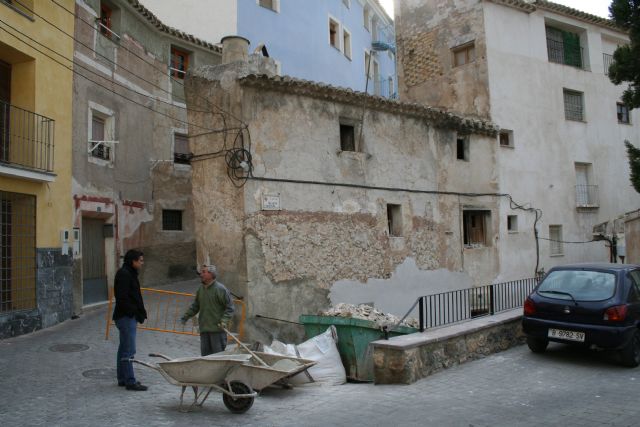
column 329, row 41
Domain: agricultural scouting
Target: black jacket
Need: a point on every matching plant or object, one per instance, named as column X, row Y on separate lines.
column 128, row 296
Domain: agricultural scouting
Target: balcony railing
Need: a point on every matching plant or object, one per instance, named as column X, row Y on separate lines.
column 587, row 196
column 26, row 138
column 607, row 60
column 562, row 53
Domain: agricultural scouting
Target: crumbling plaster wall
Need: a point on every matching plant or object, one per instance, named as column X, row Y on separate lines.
column 426, row 33
column 286, row 261
column 142, row 180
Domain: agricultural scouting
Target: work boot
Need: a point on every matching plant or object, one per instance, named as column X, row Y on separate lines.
column 136, row 387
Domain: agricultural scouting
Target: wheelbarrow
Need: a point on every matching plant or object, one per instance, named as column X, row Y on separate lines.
column 236, row 376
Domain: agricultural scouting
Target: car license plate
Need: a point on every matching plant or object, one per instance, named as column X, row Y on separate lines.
column 566, row 335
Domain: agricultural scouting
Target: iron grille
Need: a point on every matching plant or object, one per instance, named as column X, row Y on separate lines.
column 607, row 61
column 17, row 251
column 26, row 138
column 573, row 105
column 171, row 220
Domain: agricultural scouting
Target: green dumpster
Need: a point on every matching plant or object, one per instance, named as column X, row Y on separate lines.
column 354, row 336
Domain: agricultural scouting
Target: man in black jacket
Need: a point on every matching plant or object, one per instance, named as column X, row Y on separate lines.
column 128, row 312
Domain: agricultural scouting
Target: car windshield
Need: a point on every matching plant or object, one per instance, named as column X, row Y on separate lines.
column 582, row 285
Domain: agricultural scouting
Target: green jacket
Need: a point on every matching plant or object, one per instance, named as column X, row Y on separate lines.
column 213, row 305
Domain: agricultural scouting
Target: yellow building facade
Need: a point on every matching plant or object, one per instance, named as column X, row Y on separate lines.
column 36, row 235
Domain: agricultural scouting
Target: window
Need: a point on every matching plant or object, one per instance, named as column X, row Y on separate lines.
column 462, row 148
column 105, row 20
column 563, row 47
column 347, row 3
column 334, row 33
column 98, row 148
column 586, row 193
column 273, row 5
column 506, row 138
column 392, row 87
column 464, row 54
column 179, row 63
column 623, row 113
column 394, row 220
column 181, row 153
column 171, row 220
column 347, row 137
column 366, row 15
column 475, row 224
column 512, row 223
column 374, row 29
column 555, row 240
column 368, row 68
column 346, row 43
column 573, row 105
column 101, row 134
column 17, row 252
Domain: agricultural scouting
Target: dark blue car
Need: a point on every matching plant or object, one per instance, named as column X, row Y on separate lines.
column 595, row 305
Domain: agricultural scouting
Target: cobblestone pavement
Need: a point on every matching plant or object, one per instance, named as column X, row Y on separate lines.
column 565, row 386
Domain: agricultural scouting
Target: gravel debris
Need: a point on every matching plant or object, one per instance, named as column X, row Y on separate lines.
column 366, row 312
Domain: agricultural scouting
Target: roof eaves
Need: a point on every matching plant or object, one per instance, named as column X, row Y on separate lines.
column 155, row 22
column 437, row 117
column 578, row 14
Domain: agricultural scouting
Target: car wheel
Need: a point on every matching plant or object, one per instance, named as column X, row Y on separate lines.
column 630, row 354
column 537, row 345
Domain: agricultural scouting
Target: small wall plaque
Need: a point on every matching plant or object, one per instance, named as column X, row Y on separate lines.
column 270, row 203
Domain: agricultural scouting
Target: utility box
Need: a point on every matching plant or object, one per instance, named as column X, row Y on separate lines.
column 354, row 336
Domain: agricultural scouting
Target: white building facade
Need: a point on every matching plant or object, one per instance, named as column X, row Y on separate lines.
column 539, row 71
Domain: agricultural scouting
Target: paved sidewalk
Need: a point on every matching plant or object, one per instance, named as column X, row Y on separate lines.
column 564, row 387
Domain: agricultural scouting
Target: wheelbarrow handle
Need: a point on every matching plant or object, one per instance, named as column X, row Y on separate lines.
column 246, row 348
column 148, row 365
column 159, row 355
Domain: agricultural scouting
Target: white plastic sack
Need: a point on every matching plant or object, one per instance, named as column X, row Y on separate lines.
column 323, row 350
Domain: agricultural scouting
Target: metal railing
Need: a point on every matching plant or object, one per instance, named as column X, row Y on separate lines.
column 561, row 53
column 587, row 196
column 454, row 306
column 26, row 138
column 607, row 60
column 165, row 308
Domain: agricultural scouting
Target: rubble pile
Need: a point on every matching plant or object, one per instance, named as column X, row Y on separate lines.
column 366, row 312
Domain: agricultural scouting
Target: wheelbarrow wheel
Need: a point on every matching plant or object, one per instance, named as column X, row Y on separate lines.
column 238, row 405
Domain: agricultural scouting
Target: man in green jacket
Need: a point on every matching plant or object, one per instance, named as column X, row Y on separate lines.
column 214, row 307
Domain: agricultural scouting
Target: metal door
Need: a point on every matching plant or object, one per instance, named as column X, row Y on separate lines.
column 94, row 276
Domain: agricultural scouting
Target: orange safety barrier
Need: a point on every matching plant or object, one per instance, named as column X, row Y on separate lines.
column 165, row 308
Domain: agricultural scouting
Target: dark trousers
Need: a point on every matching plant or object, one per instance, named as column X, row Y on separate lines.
column 127, row 349
column 212, row 342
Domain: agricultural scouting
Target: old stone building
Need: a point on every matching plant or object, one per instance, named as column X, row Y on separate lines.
column 538, row 70
column 309, row 195
column 131, row 172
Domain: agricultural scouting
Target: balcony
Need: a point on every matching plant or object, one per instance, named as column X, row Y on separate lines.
column 587, row 197
column 26, row 143
column 607, row 60
column 563, row 53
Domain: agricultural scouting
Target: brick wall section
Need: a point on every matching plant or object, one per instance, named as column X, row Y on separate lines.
column 407, row 365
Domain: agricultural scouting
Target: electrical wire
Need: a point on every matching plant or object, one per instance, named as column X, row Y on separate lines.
column 211, row 105
column 101, row 85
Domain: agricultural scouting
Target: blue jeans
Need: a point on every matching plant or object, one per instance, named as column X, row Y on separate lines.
column 127, row 349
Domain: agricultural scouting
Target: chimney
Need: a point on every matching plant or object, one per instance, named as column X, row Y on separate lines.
column 234, row 48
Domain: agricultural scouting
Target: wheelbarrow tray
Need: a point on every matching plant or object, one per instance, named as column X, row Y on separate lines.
column 200, row 371
column 258, row 376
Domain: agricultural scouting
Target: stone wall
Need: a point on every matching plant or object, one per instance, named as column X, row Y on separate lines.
column 406, row 359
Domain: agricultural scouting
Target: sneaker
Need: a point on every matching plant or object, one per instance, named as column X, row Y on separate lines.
column 136, row 387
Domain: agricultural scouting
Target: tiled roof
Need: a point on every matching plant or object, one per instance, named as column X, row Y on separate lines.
column 154, row 21
column 532, row 6
column 436, row 117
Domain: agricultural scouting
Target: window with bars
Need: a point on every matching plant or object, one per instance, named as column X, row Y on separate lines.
column 17, row 252
column 573, row 105
column 555, row 240
column 171, row 220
